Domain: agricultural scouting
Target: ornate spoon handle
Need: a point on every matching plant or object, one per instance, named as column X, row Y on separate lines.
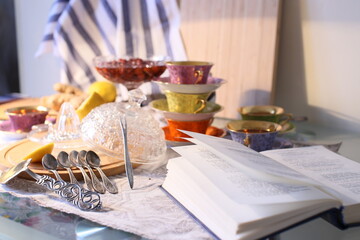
column 86, row 178
column 57, row 175
column 95, row 181
column 72, row 177
column 82, row 198
column 111, row 187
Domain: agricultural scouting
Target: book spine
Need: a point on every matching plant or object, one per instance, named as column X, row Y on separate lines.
column 334, row 216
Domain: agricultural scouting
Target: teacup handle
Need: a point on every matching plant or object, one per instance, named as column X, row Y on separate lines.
column 285, row 118
column 246, row 142
column 203, row 104
column 199, row 75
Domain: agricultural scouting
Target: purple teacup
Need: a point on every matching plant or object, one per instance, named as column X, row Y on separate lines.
column 189, row 72
column 257, row 135
column 23, row 118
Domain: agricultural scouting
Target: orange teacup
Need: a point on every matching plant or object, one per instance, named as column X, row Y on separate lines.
column 193, row 126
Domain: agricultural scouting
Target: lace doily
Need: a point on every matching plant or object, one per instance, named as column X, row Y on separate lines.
column 145, row 211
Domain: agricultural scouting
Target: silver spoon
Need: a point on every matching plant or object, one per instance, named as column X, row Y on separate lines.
column 73, row 157
column 128, row 166
column 94, row 161
column 63, row 161
column 49, row 162
column 94, row 180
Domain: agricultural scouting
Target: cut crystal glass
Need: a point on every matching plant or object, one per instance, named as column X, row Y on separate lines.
column 65, row 133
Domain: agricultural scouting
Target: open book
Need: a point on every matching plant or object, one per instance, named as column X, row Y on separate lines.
column 238, row 193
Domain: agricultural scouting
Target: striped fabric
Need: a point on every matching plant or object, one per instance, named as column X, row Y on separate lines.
column 79, row 30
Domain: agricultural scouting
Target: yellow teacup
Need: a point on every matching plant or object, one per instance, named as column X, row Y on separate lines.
column 186, row 103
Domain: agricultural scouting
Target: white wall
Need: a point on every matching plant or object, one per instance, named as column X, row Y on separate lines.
column 37, row 75
column 319, row 61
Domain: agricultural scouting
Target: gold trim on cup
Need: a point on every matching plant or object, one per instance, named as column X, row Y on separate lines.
column 25, row 110
column 238, row 125
column 189, row 63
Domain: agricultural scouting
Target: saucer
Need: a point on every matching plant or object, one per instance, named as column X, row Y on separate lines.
column 209, row 111
column 7, row 131
column 211, row 85
column 288, row 127
column 211, row 131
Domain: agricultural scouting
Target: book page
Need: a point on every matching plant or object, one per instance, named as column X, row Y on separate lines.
column 237, row 185
column 332, row 170
column 254, row 163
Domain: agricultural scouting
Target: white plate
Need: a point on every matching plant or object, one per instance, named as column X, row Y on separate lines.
column 209, row 111
column 211, row 85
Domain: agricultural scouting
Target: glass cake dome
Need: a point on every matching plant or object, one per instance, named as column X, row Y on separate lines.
column 101, row 130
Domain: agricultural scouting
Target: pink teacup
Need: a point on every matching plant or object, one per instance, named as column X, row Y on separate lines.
column 189, row 72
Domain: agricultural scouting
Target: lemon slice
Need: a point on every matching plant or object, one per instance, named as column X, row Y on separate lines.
column 106, row 90
column 38, row 153
column 90, row 102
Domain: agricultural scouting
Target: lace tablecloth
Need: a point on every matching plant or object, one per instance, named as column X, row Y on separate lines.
column 145, row 211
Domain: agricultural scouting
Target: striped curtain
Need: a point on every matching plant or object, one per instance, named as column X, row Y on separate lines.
column 79, row 30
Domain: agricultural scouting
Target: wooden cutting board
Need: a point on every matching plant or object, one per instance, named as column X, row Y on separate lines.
column 240, row 38
column 14, row 153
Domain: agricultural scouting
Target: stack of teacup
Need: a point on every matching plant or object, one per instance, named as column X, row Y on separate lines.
column 259, row 126
column 187, row 90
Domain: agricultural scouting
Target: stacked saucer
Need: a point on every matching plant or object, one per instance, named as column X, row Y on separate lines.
column 186, row 106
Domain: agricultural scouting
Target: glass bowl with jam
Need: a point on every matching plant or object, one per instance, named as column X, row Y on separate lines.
column 131, row 72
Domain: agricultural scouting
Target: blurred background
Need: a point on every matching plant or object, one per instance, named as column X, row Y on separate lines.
column 315, row 69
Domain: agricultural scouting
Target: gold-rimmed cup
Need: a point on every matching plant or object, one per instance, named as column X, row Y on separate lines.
column 257, row 135
column 186, row 103
column 270, row 113
column 189, row 72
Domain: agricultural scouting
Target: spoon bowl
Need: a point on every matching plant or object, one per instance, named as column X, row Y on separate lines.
column 73, row 158
column 49, row 162
column 63, row 160
column 81, row 156
column 92, row 159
